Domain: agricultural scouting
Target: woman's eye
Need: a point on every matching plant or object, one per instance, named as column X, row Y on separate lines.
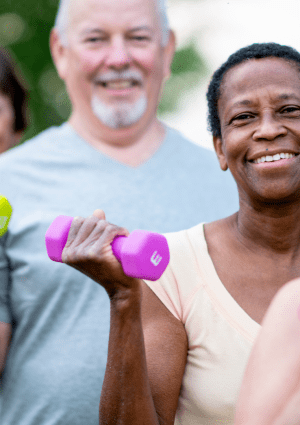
column 242, row 117
column 291, row 109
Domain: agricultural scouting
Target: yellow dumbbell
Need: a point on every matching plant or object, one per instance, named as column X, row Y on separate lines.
column 5, row 214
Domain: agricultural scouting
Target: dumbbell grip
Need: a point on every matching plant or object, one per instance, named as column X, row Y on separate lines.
column 58, row 233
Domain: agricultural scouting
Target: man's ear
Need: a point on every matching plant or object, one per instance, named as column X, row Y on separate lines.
column 219, row 148
column 169, row 54
column 58, row 52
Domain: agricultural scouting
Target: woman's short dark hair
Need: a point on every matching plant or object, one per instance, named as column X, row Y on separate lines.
column 254, row 51
column 12, row 87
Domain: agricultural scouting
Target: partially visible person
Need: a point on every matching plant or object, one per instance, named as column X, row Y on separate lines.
column 13, row 123
column 113, row 153
column 13, row 98
column 270, row 392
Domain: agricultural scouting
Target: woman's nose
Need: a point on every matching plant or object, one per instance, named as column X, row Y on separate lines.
column 269, row 127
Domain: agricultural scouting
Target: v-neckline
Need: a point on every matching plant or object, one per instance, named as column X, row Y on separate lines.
column 219, row 295
column 113, row 160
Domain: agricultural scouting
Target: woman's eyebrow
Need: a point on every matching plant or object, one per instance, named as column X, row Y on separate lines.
column 287, row 96
column 283, row 96
column 244, row 102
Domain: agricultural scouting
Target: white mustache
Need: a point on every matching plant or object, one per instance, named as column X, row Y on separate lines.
column 122, row 75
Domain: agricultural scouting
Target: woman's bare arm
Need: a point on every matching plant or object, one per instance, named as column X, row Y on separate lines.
column 270, row 389
column 146, row 362
column 147, row 348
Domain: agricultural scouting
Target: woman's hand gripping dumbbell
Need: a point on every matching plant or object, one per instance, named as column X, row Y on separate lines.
column 88, row 243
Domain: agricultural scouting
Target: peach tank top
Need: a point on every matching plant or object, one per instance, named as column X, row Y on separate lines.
column 220, row 333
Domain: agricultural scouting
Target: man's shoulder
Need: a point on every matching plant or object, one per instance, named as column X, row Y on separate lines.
column 188, row 153
column 41, row 143
column 186, row 144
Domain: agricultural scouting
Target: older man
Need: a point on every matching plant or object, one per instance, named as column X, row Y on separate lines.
column 112, row 154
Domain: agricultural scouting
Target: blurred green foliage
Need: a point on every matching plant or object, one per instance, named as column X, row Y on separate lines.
column 24, row 30
column 188, row 68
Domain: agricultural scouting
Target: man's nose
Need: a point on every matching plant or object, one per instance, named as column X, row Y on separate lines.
column 118, row 54
column 269, row 127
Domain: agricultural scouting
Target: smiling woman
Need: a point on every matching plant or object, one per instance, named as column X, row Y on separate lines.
column 179, row 347
column 221, row 294
column 263, row 105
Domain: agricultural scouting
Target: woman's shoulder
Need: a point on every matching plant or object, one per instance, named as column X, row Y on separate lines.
column 196, row 240
column 180, row 240
column 190, row 268
column 219, row 232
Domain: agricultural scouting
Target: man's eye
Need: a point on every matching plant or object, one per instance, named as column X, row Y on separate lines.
column 94, row 39
column 140, row 38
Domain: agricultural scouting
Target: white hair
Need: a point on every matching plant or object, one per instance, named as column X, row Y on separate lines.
column 124, row 114
column 62, row 20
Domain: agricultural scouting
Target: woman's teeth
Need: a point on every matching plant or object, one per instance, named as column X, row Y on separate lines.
column 276, row 157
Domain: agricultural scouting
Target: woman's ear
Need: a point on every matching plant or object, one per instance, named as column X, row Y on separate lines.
column 219, row 148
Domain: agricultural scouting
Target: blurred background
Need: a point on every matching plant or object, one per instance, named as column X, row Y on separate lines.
column 208, row 31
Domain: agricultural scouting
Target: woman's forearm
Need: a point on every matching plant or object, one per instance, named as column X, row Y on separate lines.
column 126, row 397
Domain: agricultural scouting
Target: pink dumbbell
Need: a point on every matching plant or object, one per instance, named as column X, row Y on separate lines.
column 143, row 254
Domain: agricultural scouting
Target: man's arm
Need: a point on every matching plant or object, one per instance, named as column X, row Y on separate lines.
column 270, row 388
column 5, row 335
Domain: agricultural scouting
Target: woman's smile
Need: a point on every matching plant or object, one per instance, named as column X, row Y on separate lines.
column 275, row 161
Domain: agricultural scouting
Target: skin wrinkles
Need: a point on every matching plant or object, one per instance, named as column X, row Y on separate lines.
column 99, row 31
column 276, row 107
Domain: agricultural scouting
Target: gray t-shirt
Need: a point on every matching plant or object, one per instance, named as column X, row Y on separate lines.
column 60, row 318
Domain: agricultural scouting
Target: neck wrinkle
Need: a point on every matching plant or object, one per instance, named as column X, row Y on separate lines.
column 273, row 229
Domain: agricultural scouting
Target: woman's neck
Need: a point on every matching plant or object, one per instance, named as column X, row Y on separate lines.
column 273, row 227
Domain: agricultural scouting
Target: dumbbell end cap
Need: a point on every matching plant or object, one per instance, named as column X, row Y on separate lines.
column 56, row 237
column 152, row 251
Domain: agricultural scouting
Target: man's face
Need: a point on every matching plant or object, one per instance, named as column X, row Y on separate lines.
column 114, row 63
